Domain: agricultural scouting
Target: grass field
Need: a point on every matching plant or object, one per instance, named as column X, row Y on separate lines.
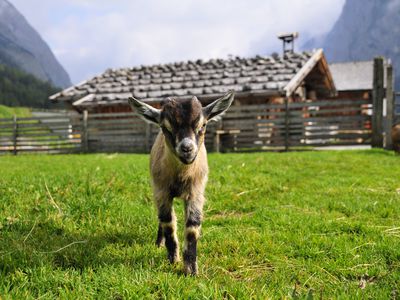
column 9, row 112
column 294, row 225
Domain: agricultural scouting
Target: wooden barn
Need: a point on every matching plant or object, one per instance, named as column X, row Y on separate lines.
column 256, row 80
column 282, row 102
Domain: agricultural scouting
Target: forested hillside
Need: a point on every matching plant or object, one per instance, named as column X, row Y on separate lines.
column 18, row 88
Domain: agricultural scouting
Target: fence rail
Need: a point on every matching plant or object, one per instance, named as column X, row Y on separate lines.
column 243, row 128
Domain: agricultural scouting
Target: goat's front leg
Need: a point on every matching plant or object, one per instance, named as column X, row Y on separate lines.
column 160, row 241
column 167, row 228
column 193, row 218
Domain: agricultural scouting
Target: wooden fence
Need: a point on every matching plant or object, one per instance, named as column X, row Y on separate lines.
column 52, row 134
column 275, row 127
column 297, row 125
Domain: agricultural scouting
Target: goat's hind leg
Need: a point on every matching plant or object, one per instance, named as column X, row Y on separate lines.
column 193, row 218
column 167, row 229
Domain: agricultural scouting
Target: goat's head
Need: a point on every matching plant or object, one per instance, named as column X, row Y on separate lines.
column 183, row 123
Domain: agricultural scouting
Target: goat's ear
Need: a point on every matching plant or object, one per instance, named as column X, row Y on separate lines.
column 219, row 106
column 146, row 112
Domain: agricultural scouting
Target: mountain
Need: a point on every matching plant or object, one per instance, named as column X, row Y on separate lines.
column 22, row 47
column 365, row 29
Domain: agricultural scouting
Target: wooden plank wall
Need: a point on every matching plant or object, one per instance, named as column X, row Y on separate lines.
column 119, row 132
column 266, row 127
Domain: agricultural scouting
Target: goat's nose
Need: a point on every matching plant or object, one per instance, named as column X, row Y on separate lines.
column 187, row 147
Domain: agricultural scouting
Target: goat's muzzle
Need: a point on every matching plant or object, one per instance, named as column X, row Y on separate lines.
column 187, row 151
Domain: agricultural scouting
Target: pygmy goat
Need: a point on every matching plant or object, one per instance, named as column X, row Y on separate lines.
column 179, row 168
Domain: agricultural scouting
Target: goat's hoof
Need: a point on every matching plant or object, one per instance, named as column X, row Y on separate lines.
column 160, row 243
column 190, row 268
column 174, row 258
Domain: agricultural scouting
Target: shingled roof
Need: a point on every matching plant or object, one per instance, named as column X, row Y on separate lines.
column 259, row 74
column 352, row 76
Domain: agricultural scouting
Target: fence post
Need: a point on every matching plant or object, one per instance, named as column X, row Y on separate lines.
column 390, row 103
column 377, row 103
column 85, row 139
column 216, row 142
column 286, row 124
column 15, row 134
column 147, row 137
column 217, row 137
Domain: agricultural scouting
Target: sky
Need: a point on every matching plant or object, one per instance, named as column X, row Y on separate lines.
column 90, row 36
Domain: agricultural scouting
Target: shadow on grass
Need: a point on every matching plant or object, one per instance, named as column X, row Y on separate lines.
column 47, row 244
column 376, row 151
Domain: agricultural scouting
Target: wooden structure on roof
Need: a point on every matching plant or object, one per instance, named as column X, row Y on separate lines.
column 288, row 41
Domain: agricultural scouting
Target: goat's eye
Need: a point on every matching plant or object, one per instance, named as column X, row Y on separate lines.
column 202, row 129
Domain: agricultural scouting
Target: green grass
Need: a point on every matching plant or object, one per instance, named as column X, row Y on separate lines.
column 9, row 112
column 293, row 225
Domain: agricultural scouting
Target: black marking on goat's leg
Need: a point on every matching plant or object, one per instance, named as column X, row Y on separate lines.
column 160, row 237
column 190, row 253
column 167, row 219
column 193, row 212
column 172, row 244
